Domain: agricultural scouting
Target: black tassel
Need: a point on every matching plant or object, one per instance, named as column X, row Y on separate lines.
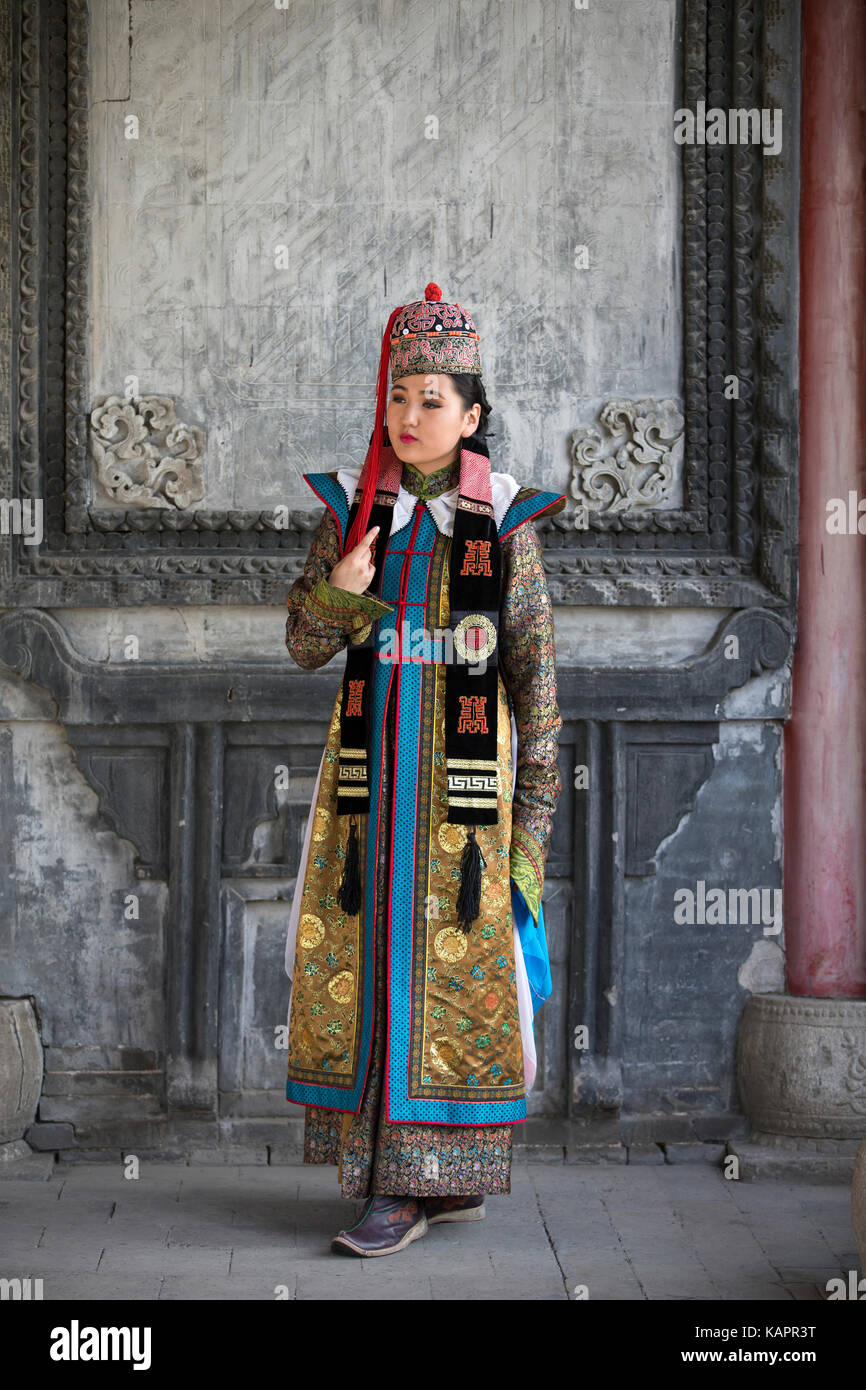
column 349, row 894
column 469, row 896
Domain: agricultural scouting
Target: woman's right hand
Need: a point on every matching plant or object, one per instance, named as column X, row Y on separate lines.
column 356, row 569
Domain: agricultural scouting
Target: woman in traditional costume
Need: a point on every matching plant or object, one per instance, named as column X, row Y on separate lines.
column 416, row 944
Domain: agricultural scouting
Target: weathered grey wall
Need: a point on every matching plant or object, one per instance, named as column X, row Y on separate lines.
column 308, row 128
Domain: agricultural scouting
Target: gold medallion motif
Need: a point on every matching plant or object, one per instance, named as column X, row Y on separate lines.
column 341, row 987
column 492, row 1005
column 450, row 944
column 494, row 897
column 311, row 931
column 444, row 1053
column 451, row 837
column 475, row 637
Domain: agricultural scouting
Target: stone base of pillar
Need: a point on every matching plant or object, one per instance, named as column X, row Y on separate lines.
column 801, row 1069
column 781, row 1156
column 19, row 1163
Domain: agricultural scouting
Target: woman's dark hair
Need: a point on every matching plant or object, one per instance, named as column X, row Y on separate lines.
column 470, row 388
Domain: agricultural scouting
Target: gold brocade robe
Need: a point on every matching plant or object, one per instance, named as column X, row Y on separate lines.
column 454, row 1047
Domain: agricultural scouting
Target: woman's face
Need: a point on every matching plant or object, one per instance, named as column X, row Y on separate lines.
column 426, row 420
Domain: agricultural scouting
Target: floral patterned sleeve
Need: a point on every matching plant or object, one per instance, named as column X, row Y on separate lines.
column 323, row 618
column 527, row 658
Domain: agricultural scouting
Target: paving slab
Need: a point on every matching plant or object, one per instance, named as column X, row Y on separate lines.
column 621, row 1232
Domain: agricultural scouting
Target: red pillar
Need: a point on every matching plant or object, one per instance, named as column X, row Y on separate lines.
column 825, row 739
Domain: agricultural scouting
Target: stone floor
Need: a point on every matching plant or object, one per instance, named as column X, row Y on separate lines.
column 622, row 1232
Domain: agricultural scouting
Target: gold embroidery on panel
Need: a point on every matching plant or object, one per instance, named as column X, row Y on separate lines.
column 326, row 971
column 471, row 1020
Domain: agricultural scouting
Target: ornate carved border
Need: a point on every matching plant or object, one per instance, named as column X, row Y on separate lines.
column 732, row 544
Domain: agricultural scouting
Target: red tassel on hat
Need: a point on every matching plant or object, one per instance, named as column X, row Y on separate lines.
column 370, row 472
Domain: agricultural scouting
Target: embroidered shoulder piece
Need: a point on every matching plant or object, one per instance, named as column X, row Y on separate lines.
column 328, row 490
column 528, row 505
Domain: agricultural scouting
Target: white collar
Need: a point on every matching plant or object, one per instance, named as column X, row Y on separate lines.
column 503, row 490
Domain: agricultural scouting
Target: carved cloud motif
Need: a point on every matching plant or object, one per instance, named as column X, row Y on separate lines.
column 636, row 467
column 144, row 455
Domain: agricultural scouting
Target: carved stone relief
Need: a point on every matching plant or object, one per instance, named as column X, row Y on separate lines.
column 637, row 467
column 144, row 455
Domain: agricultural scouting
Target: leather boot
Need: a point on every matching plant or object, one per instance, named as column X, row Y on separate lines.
column 389, row 1223
column 468, row 1208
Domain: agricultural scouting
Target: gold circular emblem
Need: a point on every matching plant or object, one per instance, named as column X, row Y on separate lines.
column 493, row 1005
column 475, row 637
column 310, row 931
column 451, row 837
column 341, row 986
column 494, row 895
column 450, row 944
column 444, row 1053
